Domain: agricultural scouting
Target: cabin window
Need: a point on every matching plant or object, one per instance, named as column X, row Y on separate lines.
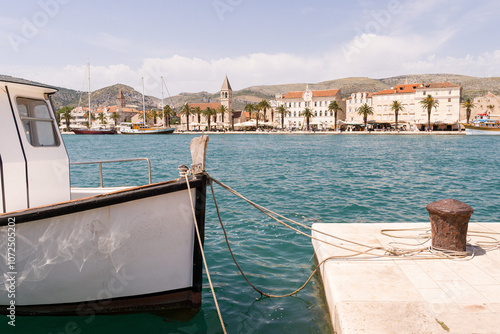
column 37, row 122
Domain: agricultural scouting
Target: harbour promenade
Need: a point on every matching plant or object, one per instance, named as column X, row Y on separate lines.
column 329, row 133
column 405, row 294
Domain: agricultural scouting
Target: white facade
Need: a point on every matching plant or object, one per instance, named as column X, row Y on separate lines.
column 447, row 114
column 488, row 104
column 318, row 101
column 353, row 102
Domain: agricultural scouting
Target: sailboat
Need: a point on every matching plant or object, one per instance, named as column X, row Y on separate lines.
column 143, row 128
column 90, row 130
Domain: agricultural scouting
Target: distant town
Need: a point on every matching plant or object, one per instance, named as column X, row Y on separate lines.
column 412, row 106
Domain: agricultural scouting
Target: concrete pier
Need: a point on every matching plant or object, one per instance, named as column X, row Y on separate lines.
column 375, row 294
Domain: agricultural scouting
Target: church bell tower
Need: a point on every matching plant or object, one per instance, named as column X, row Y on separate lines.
column 226, row 95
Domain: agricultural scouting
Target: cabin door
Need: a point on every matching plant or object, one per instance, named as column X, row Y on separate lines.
column 14, row 193
column 47, row 161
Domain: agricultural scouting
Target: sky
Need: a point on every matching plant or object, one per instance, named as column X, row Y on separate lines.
column 193, row 44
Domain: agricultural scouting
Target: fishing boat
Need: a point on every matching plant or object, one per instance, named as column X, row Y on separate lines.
column 95, row 250
column 483, row 125
column 143, row 128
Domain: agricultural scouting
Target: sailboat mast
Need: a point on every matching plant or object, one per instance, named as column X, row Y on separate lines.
column 90, row 115
column 162, row 107
column 143, row 103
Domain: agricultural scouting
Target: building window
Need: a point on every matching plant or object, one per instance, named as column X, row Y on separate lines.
column 320, row 113
column 331, row 113
column 37, row 121
column 449, row 100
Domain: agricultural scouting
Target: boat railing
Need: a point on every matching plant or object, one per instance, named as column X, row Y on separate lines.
column 111, row 161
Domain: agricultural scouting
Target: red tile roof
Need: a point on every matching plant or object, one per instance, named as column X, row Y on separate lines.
column 439, row 85
column 322, row 93
column 490, row 94
column 316, row 93
column 400, row 89
column 293, row 95
column 204, row 106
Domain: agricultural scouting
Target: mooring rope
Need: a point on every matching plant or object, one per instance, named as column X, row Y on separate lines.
column 185, row 173
column 395, row 251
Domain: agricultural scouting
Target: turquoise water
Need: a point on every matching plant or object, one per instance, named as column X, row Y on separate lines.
column 321, row 178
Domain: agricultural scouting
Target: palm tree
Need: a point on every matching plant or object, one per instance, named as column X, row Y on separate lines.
column 102, row 118
column 396, row 106
column 186, row 110
column 197, row 111
column 154, row 114
column 308, row 114
column 65, row 114
column 282, row 110
column 364, row 111
column 250, row 108
column 263, row 105
column 335, row 107
column 141, row 116
column 209, row 112
column 222, row 110
column 114, row 116
column 468, row 104
column 428, row 103
column 86, row 116
column 169, row 113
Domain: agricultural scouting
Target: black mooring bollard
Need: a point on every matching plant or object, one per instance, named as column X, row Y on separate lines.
column 449, row 223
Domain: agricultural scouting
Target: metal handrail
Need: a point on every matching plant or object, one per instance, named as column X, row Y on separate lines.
column 109, row 161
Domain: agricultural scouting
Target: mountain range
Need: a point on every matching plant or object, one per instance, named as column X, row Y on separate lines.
column 471, row 87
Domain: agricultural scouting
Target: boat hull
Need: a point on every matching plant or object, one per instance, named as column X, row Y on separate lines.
column 93, row 132
column 129, row 251
column 474, row 130
column 166, row 131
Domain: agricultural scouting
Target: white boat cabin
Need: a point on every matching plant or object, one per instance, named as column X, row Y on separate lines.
column 34, row 164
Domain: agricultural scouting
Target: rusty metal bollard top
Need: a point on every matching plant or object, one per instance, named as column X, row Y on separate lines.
column 450, row 207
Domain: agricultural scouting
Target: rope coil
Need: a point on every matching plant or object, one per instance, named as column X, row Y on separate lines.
column 394, row 250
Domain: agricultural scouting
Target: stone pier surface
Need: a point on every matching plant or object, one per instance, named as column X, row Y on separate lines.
column 375, row 294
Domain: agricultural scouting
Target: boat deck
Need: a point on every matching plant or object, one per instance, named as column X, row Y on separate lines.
column 372, row 294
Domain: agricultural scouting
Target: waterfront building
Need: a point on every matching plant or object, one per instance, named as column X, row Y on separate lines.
column 384, row 117
column 316, row 100
column 413, row 117
column 353, row 102
column 447, row 115
column 203, row 123
column 488, row 104
column 218, row 120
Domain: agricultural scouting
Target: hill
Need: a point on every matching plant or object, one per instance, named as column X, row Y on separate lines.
column 472, row 87
column 107, row 97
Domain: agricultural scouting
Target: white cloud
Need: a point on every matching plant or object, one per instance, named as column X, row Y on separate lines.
column 382, row 57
